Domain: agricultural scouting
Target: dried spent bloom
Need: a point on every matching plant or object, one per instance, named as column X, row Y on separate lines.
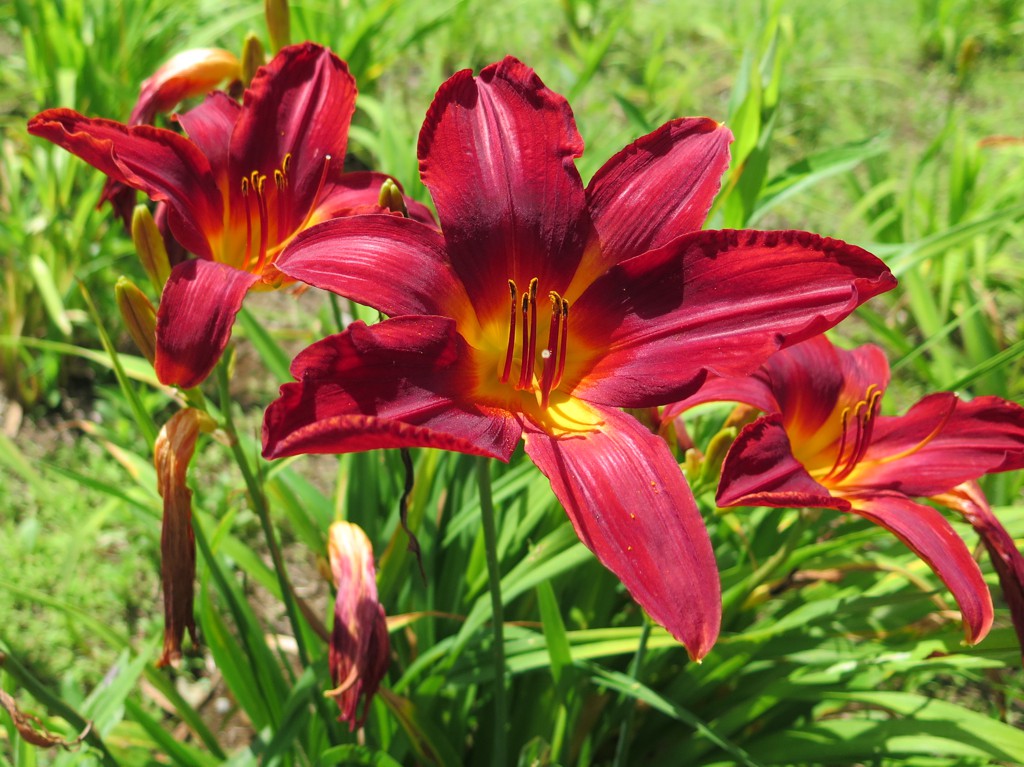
column 360, row 647
column 543, row 307
column 171, row 455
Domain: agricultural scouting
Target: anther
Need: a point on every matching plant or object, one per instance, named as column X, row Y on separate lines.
column 563, row 344
column 525, row 374
column 550, row 353
column 511, row 333
column 261, row 200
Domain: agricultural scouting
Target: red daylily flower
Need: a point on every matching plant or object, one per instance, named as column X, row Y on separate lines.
column 360, row 647
column 822, row 443
column 238, row 189
column 543, row 307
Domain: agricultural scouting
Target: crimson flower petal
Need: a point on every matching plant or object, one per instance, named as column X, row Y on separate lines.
column 631, row 506
column 399, row 383
column 496, row 153
column 209, row 127
column 721, row 301
column 760, row 470
column 193, row 324
column 754, row 390
column 927, row 533
column 300, row 104
column 1002, row 550
column 942, row 442
column 159, row 162
column 409, row 276
column 657, row 188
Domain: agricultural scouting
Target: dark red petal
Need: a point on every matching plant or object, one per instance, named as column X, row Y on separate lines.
column 301, row 104
column 721, row 301
column 396, row 265
column 400, row 383
column 657, row 188
column 760, row 470
column 193, row 323
column 942, row 442
column 813, row 379
column 359, row 192
column 631, row 506
column 496, row 153
column 927, row 533
column 754, row 390
column 1002, row 550
column 209, row 127
column 159, row 162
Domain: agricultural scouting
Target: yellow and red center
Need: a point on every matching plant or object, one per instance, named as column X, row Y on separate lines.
column 268, row 217
column 525, row 372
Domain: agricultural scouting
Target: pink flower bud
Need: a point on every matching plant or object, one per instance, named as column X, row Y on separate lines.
column 360, row 646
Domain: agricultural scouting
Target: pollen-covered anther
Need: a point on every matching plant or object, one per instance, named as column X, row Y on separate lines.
column 510, row 352
column 857, row 425
column 529, row 337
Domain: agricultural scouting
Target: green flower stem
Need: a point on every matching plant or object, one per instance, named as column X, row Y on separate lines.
column 622, row 747
column 259, row 501
column 487, row 517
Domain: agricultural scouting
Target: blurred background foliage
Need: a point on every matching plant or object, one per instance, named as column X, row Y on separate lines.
column 893, row 125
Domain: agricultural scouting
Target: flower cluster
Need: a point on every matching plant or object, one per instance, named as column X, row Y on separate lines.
column 540, row 310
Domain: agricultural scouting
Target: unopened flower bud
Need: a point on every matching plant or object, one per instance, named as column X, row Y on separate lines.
column 253, row 57
column 139, row 316
column 391, row 198
column 189, row 73
column 149, row 244
column 278, row 23
column 359, row 643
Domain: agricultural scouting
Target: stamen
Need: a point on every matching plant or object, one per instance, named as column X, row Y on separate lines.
column 550, row 353
column 248, row 222
column 264, row 224
column 533, row 331
column 511, row 333
column 842, row 444
column 281, row 182
column 562, row 345
column 524, row 371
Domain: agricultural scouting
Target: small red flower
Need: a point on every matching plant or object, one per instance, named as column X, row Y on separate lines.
column 238, row 189
column 360, row 647
column 543, row 307
column 822, row 443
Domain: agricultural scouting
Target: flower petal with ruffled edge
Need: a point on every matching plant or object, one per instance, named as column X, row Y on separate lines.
column 496, row 152
column 631, row 506
column 656, row 189
column 398, row 383
column 717, row 301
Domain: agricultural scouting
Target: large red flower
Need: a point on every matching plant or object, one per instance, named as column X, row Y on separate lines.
column 822, row 443
column 543, row 307
column 244, row 182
